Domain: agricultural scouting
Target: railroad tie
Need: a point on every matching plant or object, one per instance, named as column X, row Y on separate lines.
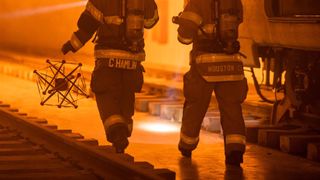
column 297, row 144
column 32, row 148
column 313, row 151
column 271, row 137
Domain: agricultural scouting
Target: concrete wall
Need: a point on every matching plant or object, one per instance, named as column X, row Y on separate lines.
column 42, row 26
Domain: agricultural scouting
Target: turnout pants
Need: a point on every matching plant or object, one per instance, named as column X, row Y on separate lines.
column 229, row 96
column 114, row 90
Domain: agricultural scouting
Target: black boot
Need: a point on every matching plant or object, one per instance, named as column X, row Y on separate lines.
column 235, row 158
column 120, row 143
column 185, row 152
column 118, row 137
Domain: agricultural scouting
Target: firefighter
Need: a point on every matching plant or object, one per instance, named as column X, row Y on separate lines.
column 212, row 27
column 119, row 51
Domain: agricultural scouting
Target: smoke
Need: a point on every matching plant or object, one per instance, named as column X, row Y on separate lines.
column 41, row 10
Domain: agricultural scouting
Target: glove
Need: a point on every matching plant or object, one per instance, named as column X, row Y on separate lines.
column 67, row 47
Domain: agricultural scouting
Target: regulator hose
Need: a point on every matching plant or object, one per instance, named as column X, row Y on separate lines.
column 258, row 90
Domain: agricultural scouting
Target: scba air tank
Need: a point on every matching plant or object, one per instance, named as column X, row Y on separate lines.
column 134, row 23
column 229, row 32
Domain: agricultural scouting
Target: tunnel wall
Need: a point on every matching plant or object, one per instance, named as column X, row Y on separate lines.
column 41, row 27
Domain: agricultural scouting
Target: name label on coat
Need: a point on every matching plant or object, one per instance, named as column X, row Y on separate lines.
column 122, row 63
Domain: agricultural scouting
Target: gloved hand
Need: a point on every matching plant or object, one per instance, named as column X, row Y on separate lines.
column 67, row 47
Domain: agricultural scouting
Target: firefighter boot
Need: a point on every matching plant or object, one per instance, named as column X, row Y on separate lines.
column 120, row 143
column 119, row 139
column 185, row 152
column 235, row 158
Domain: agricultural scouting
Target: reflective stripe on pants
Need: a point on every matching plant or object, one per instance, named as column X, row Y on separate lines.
column 112, row 120
column 188, row 142
column 114, row 91
column 235, row 139
column 229, row 95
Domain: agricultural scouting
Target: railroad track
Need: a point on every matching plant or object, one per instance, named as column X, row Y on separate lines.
column 30, row 148
column 163, row 96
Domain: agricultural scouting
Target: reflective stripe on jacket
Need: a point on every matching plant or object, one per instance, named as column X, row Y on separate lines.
column 104, row 17
column 119, row 54
column 215, row 67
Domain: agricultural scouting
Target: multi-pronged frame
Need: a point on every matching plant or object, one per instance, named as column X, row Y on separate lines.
column 61, row 81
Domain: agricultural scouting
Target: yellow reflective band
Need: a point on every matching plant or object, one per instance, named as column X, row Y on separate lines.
column 75, row 42
column 114, row 119
column 235, row 139
column 224, row 78
column 189, row 140
column 184, row 40
column 113, row 20
column 148, row 23
column 191, row 16
column 119, row 54
column 210, row 57
column 95, row 13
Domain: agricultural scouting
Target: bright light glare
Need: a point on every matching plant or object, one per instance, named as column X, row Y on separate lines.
column 41, row 10
column 159, row 127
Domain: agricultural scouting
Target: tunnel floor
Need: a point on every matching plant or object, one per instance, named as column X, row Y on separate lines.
column 160, row 148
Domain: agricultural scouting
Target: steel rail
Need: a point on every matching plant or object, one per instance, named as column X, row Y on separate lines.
column 102, row 161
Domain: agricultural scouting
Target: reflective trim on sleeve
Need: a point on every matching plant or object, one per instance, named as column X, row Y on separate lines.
column 191, row 16
column 95, row 12
column 119, row 54
column 235, row 139
column 148, row 23
column 184, row 40
column 188, row 140
column 75, row 42
column 113, row 20
column 112, row 120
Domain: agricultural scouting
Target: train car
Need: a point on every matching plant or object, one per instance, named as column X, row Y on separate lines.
column 285, row 36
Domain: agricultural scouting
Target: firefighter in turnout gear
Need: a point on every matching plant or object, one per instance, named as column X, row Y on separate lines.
column 212, row 27
column 119, row 51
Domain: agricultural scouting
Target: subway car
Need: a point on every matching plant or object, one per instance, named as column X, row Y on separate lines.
column 282, row 37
